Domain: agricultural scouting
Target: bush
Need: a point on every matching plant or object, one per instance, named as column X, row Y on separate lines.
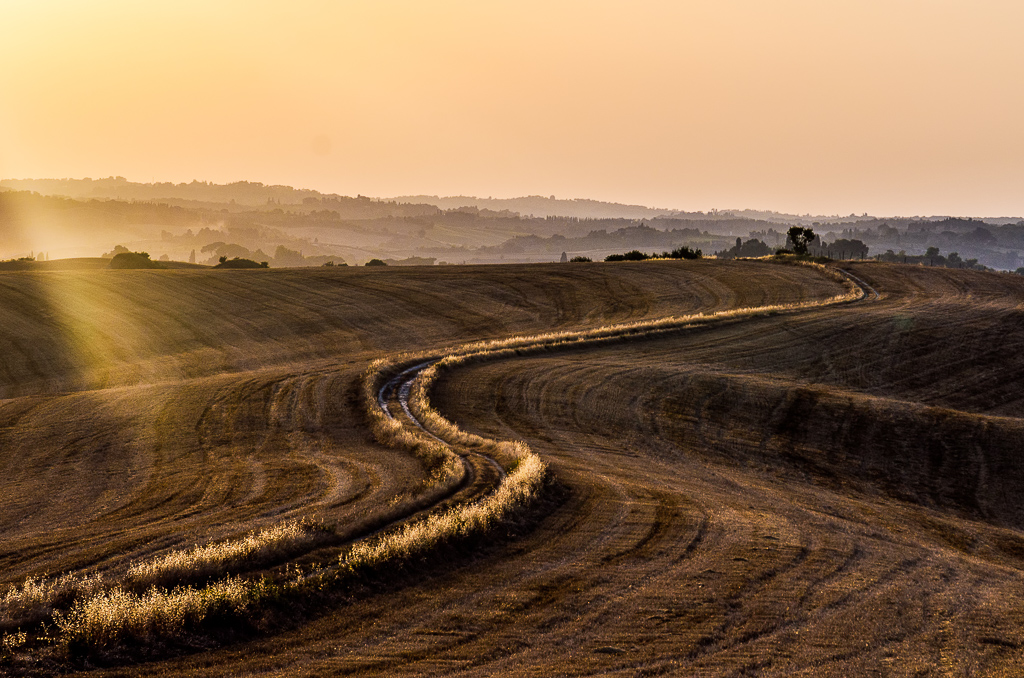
column 580, row 260
column 133, row 260
column 375, row 262
column 240, row 263
column 632, row 255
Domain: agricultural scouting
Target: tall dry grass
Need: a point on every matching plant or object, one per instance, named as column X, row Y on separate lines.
column 516, row 491
column 34, row 600
column 90, row 611
column 118, row 616
column 256, row 549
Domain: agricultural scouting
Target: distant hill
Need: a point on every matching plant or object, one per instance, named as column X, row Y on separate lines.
column 198, row 194
column 540, row 206
column 119, row 188
column 287, row 227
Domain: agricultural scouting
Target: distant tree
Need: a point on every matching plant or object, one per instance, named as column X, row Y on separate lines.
column 223, row 258
column 800, row 238
column 580, row 260
column 287, row 257
column 192, row 257
column 845, row 249
column 375, row 262
column 980, row 235
column 564, row 258
column 118, row 249
column 751, row 248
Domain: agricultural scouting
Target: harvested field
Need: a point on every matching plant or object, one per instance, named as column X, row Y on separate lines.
column 830, row 491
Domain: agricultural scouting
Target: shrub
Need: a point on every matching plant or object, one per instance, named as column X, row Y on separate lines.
column 258, row 548
column 375, row 262
column 126, row 260
column 682, row 252
column 580, row 260
column 117, row 616
column 240, row 263
column 632, row 255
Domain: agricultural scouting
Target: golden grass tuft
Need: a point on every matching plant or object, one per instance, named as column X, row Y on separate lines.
column 255, row 549
column 118, row 615
column 87, row 611
column 34, row 600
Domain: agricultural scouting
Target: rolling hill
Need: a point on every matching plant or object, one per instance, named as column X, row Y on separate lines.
column 817, row 490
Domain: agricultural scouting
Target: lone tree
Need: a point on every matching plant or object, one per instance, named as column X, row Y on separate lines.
column 801, row 238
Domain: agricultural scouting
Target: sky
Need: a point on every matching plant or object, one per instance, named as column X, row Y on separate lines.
column 887, row 107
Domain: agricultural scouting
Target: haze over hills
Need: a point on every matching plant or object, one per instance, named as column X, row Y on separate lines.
column 285, row 226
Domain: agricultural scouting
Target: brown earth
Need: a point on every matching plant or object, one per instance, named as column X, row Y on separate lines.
column 829, row 492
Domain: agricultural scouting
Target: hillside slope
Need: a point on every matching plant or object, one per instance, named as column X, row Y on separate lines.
column 146, row 410
column 833, row 491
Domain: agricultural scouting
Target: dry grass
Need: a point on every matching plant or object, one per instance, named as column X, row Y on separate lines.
column 36, row 598
column 257, row 549
column 445, row 469
column 119, row 616
column 524, row 473
column 88, row 612
column 516, row 491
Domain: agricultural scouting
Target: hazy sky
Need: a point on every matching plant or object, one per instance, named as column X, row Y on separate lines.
column 897, row 107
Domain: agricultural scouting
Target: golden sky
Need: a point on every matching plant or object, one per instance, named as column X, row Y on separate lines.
column 895, row 107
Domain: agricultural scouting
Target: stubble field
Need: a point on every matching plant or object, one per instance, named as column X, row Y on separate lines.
column 832, row 490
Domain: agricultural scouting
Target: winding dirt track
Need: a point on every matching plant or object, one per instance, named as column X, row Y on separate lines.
column 834, row 492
